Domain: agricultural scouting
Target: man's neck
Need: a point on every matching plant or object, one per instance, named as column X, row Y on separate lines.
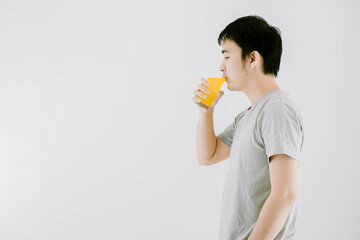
column 259, row 88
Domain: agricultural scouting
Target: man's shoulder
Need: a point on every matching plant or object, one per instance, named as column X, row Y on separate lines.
column 280, row 101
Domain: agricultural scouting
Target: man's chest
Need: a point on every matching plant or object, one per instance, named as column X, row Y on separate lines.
column 247, row 151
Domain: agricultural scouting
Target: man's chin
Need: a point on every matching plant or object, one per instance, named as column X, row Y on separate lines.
column 228, row 85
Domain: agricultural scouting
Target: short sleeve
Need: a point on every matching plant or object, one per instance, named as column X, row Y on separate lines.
column 226, row 136
column 280, row 129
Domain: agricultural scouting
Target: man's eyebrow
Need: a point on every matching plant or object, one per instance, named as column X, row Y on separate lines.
column 225, row 51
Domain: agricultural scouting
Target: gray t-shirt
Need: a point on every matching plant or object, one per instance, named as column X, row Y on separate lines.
column 272, row 126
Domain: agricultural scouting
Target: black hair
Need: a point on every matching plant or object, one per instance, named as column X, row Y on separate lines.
column 253, row 33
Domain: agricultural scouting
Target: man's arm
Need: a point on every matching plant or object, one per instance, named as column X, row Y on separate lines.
column 205, row 137
column 276, row 209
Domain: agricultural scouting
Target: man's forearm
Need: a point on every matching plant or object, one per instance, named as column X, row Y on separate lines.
column 271, row 218
column 205, row 137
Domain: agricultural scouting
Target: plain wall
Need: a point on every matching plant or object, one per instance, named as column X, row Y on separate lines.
column 97, row 126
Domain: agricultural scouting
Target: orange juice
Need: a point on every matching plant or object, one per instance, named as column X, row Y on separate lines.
column 214, row 88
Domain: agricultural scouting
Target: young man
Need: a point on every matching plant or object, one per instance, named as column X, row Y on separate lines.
column 264, row 141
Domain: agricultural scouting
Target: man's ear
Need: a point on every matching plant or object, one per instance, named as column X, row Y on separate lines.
column 254, row 59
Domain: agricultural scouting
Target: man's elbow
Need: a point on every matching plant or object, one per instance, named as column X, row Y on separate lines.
column 204, row 163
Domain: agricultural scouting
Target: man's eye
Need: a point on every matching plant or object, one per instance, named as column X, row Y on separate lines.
column 226, row 57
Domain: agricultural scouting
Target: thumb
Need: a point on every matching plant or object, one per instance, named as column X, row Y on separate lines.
column 219, row 94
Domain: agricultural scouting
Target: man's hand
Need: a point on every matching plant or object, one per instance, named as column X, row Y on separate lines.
column 201, row 92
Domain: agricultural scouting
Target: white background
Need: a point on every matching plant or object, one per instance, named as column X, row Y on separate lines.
column 97, row 126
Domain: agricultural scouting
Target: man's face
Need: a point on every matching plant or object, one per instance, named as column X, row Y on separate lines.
column 232, row 66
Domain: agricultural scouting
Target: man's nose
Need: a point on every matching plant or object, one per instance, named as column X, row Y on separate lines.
column 222, row 68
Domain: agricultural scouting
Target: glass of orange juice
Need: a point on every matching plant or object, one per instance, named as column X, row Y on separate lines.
column 215, row 86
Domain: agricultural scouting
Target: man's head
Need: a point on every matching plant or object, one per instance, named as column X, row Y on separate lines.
column 252, row 49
